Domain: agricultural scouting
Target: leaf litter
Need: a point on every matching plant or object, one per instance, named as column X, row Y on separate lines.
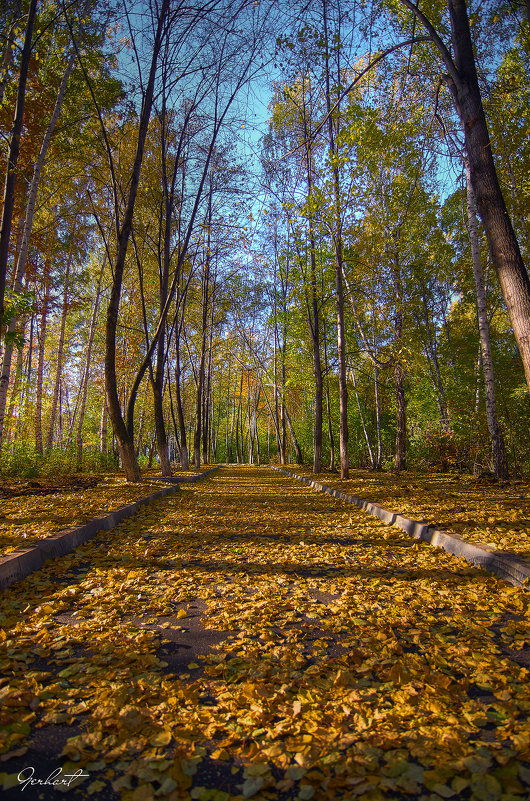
column 494, row 513
column 33, row 510
column 250, row 638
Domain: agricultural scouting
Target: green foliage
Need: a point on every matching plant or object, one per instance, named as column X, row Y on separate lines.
column 17, row 304
column 23, row 461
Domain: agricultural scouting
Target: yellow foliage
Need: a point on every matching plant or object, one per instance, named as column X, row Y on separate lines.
column 334, row 663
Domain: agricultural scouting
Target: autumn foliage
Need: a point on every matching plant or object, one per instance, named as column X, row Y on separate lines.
column 250, row 638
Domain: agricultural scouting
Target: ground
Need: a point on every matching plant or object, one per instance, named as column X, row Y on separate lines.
column 250, row 638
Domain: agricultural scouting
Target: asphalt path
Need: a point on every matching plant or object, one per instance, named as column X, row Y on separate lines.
column 251, row 638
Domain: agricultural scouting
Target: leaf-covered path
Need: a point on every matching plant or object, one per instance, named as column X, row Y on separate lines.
column 251, row 638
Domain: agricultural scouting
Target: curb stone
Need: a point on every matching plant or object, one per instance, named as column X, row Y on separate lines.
column 17, row 565
column 504, row 564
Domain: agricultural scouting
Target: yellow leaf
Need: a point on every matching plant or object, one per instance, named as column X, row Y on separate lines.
column 221, row 754
column 181, row 614
column 161, row 738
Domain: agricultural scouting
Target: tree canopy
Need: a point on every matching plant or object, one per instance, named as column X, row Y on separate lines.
column 264, row 232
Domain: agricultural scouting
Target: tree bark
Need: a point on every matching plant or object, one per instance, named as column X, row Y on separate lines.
column 125, row 443
column 202, row 360
column 40, row 364
column 206, row 429
column 363, row 422
column 379, row 460
column 399, row 375
column 184, row 457
column 331, row 437
column 504, row 248
column 12, row 157
column 9, row 37
column 60, row 350
column 103, row 428
column 26, row 232
column 86, row 372
column 296, row 445
column 500, row 461
column 401, row 419
column 339, row 291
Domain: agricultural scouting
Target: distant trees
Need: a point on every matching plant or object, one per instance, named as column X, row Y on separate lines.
column 342, row 306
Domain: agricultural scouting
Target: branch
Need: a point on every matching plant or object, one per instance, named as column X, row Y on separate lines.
column 436, row 39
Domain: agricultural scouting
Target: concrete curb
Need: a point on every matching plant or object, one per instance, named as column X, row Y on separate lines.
column 19, row 564
column 506, row 565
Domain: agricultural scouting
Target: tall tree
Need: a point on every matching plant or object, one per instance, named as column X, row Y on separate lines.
column 333, row 116
column 13, row 153
column 500, row 461
column 463, row 83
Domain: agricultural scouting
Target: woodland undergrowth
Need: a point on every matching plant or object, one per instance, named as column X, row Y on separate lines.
column 248, row 637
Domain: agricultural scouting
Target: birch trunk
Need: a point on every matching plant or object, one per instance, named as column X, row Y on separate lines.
column 60, row 350
column 339, row 291
column 379, row 460
column 40, row 364
column 296, row 445
column 399, row 374
column 86, row 372
column 363, row 422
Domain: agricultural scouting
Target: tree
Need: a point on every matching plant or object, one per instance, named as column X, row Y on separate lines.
column 462, row 80
column 13, row 153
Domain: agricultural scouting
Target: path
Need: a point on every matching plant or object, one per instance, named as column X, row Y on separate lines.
column 248, row 637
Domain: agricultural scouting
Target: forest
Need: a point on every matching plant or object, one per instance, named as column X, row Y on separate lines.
column 264, row 232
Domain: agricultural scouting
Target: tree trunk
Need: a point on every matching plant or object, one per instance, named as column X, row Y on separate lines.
column 184, row 457
column 503, row 245
column 230, row 449
column 339, row 291
column 9, row 47
column 103, row 428
column 500, row 461
column 399, row 375
column 125, row 443
column 26, row 233
column 160, row 429
column 430, row 345
column 296, row 445
column 379, row 460
column 23, row 418
column 328, row 407
column 12, row 157
column 317, row 365
column 502, row 241
column 206, row 432
column 40, row 366
column 200, row 372
column 60, row 350
column 86, row 372
column 401, row 419
column 239, row 451
column 157, row 383
column 363, row 422
column 16, row 389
